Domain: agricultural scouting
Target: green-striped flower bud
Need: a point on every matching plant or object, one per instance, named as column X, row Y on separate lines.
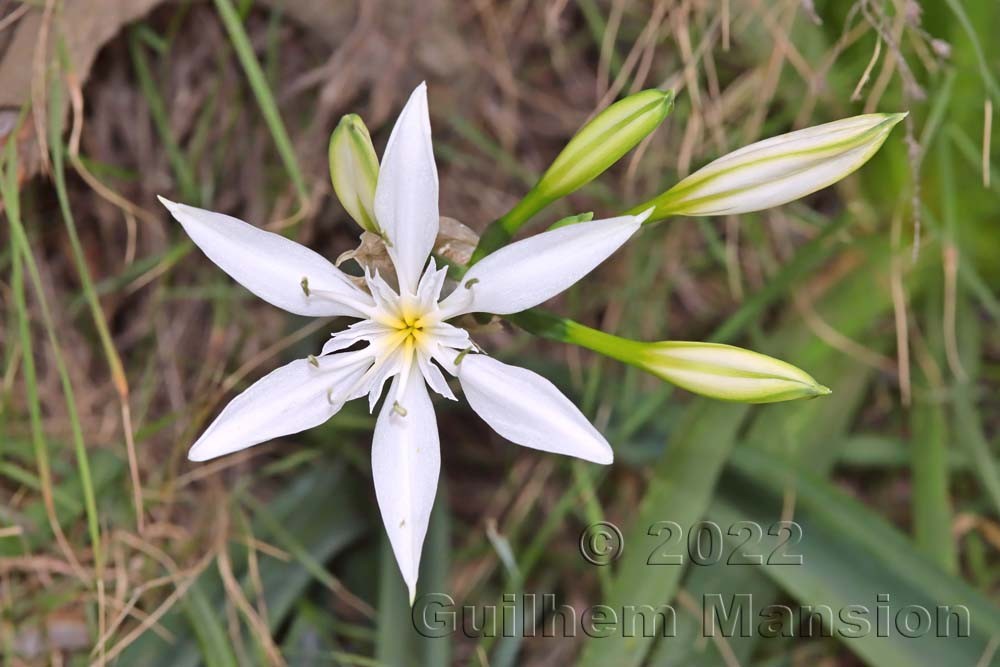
column 777, row 170
column 725, row 372
column 354, row 170
column 596, row 146
column 604, row 140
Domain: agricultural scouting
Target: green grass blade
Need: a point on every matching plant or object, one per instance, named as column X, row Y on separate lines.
column 931, row 502
column 397, row 641
column 8, row 191
column 262, row 92
column 393, row 639
column 850, row 556
column 684, row 481
column 157, row 110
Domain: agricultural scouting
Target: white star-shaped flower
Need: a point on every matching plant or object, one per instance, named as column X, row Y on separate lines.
column 404, row 336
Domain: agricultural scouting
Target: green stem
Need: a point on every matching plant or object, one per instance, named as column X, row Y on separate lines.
column 564, row 330
column 502, row 230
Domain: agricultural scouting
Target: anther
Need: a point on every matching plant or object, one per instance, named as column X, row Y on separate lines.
column 398, row 409
column 313, row 360
column 305, row 285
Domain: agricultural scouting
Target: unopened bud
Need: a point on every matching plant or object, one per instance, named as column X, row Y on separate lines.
column 596, row 146
column 354, row 170
column 725, row 372
column 777, row 170
column 604, row 140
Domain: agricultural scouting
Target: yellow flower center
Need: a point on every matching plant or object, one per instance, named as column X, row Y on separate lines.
column 413, row 327
column 409, row 325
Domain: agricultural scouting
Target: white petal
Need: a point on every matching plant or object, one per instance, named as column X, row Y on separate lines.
column 434, row 377
column 429, row 289
column 359, row 331
column 406, row 197
column 290, row 399
column 386, row 299
column 449, row 336
column 271, row 266
column 380, row 373
column 405, row 464
column 527, row 409
column 526, row 273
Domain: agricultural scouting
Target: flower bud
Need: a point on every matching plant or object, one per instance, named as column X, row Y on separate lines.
column 725, row 372
column 604, row 140
column 777, row 170
column 598, row 145
column 354, row 170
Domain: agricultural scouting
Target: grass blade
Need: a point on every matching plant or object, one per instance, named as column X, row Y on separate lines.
column 850, row 557
column 684, row 481
column 262, row 92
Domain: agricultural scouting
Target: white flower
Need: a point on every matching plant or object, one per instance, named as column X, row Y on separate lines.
column 406, row 335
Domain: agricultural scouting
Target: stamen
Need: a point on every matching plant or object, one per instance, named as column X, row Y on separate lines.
column 398, row 409
column 305, row 285
column 313, row 360
column 470, row 283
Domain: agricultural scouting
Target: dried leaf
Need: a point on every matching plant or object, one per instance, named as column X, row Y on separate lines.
column 82, row 29
column 371, row 255
column 455, row 241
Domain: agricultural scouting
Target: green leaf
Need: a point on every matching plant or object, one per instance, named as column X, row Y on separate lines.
column 850, row 557
column 683, row 481
column 397, row 640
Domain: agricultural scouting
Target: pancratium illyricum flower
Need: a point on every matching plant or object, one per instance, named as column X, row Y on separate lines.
column 407, row 337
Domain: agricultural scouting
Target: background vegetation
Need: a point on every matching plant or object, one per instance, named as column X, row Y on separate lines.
column 119, row 342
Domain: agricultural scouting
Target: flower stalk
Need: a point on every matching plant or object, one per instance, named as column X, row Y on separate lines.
column 723, row 372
